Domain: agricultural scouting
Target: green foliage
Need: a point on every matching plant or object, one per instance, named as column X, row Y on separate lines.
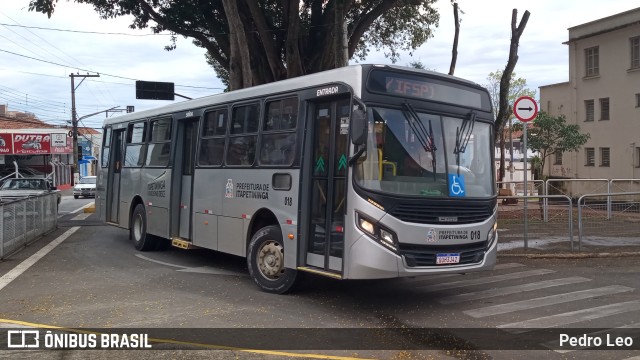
column 550, row 135
column 517, row 88
column 281, row 45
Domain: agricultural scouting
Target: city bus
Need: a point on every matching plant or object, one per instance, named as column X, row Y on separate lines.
column 362, row 172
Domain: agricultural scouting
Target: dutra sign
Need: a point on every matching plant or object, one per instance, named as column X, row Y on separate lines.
column 34, row 144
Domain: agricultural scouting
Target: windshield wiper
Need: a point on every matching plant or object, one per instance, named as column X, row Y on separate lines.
column 425, row 137
column 463, row 135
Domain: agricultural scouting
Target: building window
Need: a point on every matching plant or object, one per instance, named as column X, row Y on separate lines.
column 589, row 110
column 635, row 52
column 558, row 158
column 589, row 157
column 638, row 157
column 592, row 61
column 604, row 109
column 604, row 157
column 637, row 100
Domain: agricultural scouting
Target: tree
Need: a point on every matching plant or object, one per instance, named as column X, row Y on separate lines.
column 253, row 42
column 517, row 88
column 550, row 135
column 454, row 48
column 504, row 108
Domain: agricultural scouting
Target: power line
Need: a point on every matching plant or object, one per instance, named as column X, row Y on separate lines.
column 83, row 32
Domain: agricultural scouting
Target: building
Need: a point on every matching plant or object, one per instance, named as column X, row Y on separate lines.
column 38, row 148
column 602, row 96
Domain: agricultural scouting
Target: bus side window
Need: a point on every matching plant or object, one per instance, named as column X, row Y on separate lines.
column 214, row 129
column 159, row 143
column 278, row 145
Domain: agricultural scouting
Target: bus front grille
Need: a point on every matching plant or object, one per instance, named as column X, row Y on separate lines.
column 446, row 214
column 425, row 255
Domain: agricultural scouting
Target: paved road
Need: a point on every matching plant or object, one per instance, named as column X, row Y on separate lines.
column 95, row 279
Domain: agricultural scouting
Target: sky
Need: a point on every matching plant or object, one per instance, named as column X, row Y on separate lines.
column 35, row 63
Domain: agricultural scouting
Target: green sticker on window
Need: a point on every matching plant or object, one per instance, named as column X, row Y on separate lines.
column 342, row 163
column 320, row 165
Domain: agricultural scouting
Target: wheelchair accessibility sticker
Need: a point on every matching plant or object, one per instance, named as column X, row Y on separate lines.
column 456, row 185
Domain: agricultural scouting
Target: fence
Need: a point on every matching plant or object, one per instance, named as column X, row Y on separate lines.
column 616, row 218
column 23, row 221
column 608, row 211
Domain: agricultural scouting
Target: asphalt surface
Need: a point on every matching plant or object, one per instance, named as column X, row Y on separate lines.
column 94, row 279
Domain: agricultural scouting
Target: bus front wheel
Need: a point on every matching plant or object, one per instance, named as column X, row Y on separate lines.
column 138, row 230
column 265, row 260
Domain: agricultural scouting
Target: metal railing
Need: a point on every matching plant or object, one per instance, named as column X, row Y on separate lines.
column 524, row 218
column 25, row 220
column 607, row 211
column 616, row 217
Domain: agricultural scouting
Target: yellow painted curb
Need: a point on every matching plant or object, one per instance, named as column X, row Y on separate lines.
column 90, row 209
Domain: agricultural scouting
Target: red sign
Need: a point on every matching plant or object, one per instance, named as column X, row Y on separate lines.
column 525, row 108
column 31, row 144
column 6, row 144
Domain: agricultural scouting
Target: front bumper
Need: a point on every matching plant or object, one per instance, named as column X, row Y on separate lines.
column 370, row 260
column 84, row 192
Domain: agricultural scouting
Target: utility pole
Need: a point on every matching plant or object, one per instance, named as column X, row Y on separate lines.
column 74, row 122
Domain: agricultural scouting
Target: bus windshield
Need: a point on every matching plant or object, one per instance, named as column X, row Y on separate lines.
column 420, row 154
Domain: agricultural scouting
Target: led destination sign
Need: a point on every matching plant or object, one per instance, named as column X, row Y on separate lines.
column 393, row 83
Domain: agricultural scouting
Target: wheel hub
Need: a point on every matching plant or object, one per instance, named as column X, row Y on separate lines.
column 271, row 260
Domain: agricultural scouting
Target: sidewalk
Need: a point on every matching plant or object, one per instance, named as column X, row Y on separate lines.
column 561, row 248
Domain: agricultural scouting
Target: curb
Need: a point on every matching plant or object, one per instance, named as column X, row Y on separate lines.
column 90, row 209
column 573, row 256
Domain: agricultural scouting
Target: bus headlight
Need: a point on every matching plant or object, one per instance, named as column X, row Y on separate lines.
column 377, row 232
column 367, row 226
column 492, row 234
column 387, row 237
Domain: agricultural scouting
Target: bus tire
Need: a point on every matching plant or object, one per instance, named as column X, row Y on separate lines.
column 138, row 230
column 265, row 260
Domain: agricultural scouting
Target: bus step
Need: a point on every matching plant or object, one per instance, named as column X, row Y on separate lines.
column 182, row 244
column 320, row 272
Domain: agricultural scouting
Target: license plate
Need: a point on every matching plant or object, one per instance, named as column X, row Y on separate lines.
column 447, row 259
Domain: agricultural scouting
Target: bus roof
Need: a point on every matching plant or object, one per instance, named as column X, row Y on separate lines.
column 349, row 74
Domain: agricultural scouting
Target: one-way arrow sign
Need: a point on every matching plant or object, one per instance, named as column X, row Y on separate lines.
column 525, row 108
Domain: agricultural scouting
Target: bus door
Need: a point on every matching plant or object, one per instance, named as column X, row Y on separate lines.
column 113, row 177
column 183, row 175
column 326, row 213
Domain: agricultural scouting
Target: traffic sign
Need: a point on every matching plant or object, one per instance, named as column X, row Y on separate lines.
column 525, row 108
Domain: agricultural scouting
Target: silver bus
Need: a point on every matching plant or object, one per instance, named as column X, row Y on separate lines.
column 362, row 172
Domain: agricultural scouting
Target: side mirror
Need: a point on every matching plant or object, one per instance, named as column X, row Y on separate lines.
column 359, row 127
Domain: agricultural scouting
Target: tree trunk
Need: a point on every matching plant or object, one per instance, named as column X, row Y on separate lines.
column 240, row 58
column 340, row 38
column 501, row 171
column 454, row 50
column 294, row 60
column 505, row 108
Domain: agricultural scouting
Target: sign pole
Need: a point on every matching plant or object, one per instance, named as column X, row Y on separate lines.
column 525, row 108
column 526, row 195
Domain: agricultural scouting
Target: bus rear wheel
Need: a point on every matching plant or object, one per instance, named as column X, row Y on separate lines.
column 138, row 230
column 265, row 260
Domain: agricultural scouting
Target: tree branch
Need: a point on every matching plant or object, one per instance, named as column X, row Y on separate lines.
column 365, row 22
column 454, row 50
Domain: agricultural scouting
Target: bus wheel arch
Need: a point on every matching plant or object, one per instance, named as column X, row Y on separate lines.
column 138, row 228
column 261, row 219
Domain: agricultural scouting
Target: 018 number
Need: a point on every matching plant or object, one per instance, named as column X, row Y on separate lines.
column 288, row 201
